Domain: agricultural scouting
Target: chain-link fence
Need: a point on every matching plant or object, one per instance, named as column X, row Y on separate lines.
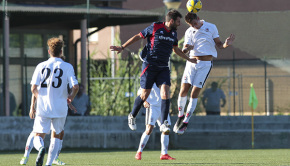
column 115, row 96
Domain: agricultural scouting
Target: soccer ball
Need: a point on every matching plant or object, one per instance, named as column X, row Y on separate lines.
column 193, row 5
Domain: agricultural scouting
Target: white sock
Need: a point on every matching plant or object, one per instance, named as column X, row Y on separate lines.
column 59, row 149
column 143, row 141
column 164, row 143
column 53, row 149
column 29, row 144
column 181, row 104
column 190, row 109
column 38, row 142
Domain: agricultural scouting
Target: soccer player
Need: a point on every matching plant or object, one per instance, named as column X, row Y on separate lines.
column 49, row 86
column 153, row 115
column 203, row 37
column 29, row 142
column 161, row 40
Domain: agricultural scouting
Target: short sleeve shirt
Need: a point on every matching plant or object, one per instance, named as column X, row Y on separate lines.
column 160, row 42
column 213, row 99
column 52, row 77
column 202, row 39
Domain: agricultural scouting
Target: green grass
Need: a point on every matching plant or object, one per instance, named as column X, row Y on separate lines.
column 261, row 157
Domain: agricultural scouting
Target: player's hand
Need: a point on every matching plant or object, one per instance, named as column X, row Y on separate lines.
column 116, row 48
column 229, row 41
column 69, row 99
column 146, row 104
column 192, row 60
column 70, row 106
column 32, row 113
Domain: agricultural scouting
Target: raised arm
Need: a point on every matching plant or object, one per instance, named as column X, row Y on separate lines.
column 229, row 41
column 126, row 44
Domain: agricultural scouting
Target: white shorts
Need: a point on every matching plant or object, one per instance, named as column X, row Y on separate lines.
column 44, row 125
column 196, row 74
column 153, row 114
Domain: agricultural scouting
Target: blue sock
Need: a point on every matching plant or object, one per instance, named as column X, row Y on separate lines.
column 164, row 109
column 137, row 105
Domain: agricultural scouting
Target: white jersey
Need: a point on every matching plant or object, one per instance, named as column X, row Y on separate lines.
column 202, row 39
column 52, row 77
column 154, row 111
column 154, row 98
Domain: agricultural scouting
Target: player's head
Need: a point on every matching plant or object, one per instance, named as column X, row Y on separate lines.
column 54, row 46
column 214, row 85
column 173, row 16
column 192, row 19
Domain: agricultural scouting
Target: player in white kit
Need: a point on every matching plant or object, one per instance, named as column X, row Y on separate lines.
column 49, row 86
column 153, row 115
column 200, row 41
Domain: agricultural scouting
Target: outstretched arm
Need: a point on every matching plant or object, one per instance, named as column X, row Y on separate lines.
column 126, row 44
column 229, row 41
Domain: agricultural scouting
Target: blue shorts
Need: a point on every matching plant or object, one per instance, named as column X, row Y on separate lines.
column 154, row 74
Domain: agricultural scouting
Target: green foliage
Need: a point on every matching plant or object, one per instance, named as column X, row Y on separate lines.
column 107, row 94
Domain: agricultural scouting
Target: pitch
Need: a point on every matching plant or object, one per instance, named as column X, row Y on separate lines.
column 261, row 157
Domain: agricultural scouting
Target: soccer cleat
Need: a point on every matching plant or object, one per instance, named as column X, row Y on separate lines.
column 178, row 123
column 57, row 162
column 138, row 156
column 166, row 157
column 132, row 122
column 164, row 128
column 23, row 160
column 40, row 156
column 182, row 128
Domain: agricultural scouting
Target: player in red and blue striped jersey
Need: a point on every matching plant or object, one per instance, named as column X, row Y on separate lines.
column 161, row 40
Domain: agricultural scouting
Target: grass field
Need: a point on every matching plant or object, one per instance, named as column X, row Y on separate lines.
column 264, row 157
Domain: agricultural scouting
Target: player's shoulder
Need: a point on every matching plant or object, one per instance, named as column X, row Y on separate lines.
column 209, row 24
column 190, row 30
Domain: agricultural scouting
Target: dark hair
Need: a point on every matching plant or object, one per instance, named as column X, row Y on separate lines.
column 173, row 14
column 214, row 84
column 189, row 17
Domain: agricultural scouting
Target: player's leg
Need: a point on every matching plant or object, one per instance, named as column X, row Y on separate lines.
column 164, row 140
column 181, row 102
column 198, row 80
column 163, row 82
column 56, row 160
column 146, row 82
column 40, row 128
column 57, row 128
column 28, row 148
column 186, row 83
column 190, row 109
column 151, row 113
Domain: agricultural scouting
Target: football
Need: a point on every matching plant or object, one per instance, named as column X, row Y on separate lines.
column 193, row 6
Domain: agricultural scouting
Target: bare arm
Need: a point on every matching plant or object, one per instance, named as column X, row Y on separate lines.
column 32, row 107
column 187, row 48
column 182, row 55
column 126, row 44
column 72, row 95
column 34, row 90
column 229, row 41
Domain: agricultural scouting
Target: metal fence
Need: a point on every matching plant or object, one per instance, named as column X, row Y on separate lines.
column 271, row 83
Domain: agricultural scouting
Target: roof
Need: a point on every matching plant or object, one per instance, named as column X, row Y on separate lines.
column 68, row 17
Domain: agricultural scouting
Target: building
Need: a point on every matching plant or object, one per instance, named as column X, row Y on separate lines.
column 30, row 23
